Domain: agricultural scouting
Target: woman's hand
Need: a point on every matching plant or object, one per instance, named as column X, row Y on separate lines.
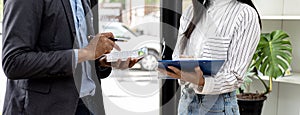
column 192, row 77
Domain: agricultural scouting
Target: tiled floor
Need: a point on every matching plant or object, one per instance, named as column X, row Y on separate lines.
column 131, row 93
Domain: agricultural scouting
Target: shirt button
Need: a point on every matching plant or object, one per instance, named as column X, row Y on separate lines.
column 208, row 11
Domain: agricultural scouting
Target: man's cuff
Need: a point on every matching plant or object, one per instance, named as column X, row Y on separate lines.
column 76, row 57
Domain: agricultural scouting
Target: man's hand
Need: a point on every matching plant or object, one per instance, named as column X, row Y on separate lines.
column 119, row 64
column 192, row 77
column 99, row 45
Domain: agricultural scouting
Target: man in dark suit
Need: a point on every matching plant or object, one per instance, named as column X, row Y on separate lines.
column 39, row 38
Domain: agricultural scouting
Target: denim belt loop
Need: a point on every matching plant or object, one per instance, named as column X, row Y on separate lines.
column 229, row 96
column 200, row 97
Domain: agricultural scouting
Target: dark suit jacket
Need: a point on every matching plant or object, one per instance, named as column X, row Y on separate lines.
column 38, row 60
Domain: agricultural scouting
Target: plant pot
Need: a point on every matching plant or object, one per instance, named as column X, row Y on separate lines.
column 251, row 106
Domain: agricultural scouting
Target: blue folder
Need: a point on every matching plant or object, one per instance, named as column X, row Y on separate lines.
column 209, row 67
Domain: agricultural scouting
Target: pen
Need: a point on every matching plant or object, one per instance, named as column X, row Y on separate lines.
column 113, row 39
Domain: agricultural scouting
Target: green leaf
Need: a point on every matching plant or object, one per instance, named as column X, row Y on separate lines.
column 273, row 54
column 283, row 42
column 284, row 48
column 278, row 35
column 287, row 57
column 263, row 67
column 283, row 64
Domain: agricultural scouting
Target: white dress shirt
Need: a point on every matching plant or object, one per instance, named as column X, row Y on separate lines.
column 88, row 86
column 229, row 30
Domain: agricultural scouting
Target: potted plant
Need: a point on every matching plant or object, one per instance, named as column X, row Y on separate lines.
column 272, row 58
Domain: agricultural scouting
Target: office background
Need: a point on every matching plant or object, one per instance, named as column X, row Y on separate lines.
column 275, row 14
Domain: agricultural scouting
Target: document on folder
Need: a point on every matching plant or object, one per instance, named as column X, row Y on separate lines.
column 209, row 67
column 124, row 55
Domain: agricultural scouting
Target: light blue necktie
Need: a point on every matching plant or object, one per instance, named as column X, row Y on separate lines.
column 87, row 84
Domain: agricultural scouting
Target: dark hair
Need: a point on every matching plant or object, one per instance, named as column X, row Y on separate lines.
column 198, row 9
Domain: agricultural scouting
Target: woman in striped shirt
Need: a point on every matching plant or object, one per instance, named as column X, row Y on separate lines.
column 215, row 29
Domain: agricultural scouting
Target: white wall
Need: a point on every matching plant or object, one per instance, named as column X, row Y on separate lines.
column 292, row 27
column 284, row 99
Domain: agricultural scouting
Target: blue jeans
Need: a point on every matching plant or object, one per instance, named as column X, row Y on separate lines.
column 196, row 104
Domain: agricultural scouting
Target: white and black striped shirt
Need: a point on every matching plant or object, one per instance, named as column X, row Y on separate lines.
column 228, row 30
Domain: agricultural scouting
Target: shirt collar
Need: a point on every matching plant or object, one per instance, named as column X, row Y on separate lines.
column 217, row 3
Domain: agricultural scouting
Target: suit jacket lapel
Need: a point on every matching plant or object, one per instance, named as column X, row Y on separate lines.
column 93, row 2
column 69, row 14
